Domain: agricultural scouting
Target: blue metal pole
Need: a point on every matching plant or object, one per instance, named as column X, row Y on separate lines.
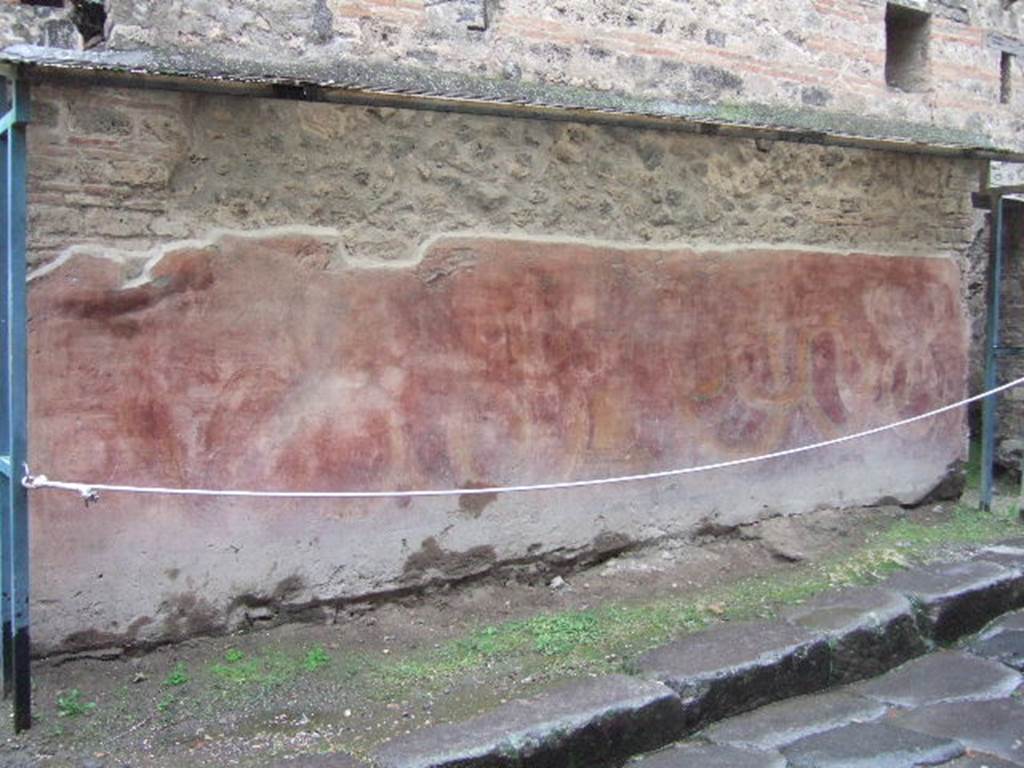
column 6, row 633
column 17, row 371
column 988, row 413
column 16, row 644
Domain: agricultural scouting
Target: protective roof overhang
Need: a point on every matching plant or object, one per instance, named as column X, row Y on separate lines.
column 382, row 84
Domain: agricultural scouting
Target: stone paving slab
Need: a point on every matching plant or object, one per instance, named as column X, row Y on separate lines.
column 783, row 723
column 1005, row 647
column 1010, row 622
column 734, row 668
column 1009, row 554
column 979, row 761
column 995, row 727
column 941, row 677
column 870, row 745
column 595, row 722
column 956, row 599
column 713, row 756
column 331, row 760
column 869, row 630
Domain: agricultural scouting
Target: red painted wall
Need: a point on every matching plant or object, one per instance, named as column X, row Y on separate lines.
column 261, row 362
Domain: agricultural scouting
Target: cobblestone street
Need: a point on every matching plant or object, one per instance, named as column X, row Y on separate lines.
column 958, row 708
column 925, row 668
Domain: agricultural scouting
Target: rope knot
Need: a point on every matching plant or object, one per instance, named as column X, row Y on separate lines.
column 31, row 481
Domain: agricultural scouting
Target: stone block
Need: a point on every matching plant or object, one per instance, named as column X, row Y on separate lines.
column 956, row 599
column 1011, row 622
column 871, row 745
column 995, row 727
column 596, row 722
column 734, row 668
column 471, row 14
column 104, row 121
column 703, row 756
column 869, row 630
column 942, row 677
column 783, row 723
column 1009, row 554
column 1005, row 647
column 980, row 760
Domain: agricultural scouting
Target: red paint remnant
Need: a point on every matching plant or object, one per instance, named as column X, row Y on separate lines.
column 825, row 373
column 248, row 365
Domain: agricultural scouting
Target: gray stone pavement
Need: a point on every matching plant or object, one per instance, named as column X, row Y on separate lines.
column 846, row 680
column 961, row 708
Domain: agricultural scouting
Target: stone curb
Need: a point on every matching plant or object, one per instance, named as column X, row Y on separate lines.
column 729, row 669
column 869, row 630
column 733, row 668
column 956, row 599
column 594, row 722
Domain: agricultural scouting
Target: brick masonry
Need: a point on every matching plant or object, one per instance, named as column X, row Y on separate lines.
column 137, row 168
column 817, row 55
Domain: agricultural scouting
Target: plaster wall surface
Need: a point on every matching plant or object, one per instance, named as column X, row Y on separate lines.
column 265, row 294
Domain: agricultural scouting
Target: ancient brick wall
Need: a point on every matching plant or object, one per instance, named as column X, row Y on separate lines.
column 947, row 60
column 239, row 292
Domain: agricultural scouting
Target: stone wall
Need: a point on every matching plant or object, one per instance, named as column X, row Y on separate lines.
column 818, row 56
column 266, row 294
column 39, row 25
column 1010, row 431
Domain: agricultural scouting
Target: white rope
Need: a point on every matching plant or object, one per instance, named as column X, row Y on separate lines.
column 90, row 491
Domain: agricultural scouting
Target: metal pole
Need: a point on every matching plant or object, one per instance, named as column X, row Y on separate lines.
column 17, row 404
column 6, row 626
column 994, row 295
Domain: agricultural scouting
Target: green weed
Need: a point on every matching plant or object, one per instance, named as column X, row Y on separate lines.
column 315, row 659
column 177, row 676
column 70, row 704
column 242, row 671
column 267, row 670
column 561, row 634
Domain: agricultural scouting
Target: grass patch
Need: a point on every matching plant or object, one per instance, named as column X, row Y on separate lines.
column 177, row 676
column 972, row 472
column 70, row 704
column 315, row 659
column 600, row 639
column 267, row 670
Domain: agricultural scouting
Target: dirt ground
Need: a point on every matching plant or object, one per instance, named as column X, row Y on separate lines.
column 267, row 696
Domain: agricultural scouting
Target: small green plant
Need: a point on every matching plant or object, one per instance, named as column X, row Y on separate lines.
column 265, row 670
column 178, row 675
column 233, row 656
column 560, row 634
column 165, row 704
column 70, row 704
column 484, row 642
column 316, row 658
